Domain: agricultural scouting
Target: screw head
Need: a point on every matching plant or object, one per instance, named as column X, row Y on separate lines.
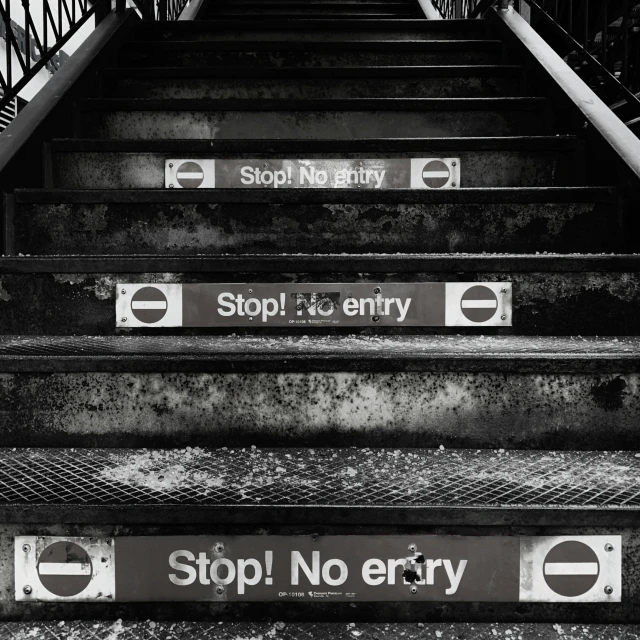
column 26, row 548
column 503, row 290
column 170, row 186
column 453, row 184
column 28, row 590
column 265, row 165
column 123, row 319
column 413, row 547
column 219, row 548
column 608, row 547
column 503, row 317
column 376, row 318
column 250, row 290
column 171, row 165
column 219, row 589
column 414, row 589
column 123, row 291
column 453, row 164
column 377, row 290
column 608, row 590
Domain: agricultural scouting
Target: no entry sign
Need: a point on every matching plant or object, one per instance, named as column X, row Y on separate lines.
column 379, row 173
column 428, row 304
column 68, row 569
column 334, row 568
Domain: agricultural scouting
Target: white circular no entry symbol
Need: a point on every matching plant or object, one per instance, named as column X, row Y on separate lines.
column 435, row 174
column 571, row 568
column 190, row 175
column 149, row 305
column 65, row 569
column 479, row 303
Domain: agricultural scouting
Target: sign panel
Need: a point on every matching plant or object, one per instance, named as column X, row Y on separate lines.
column 69, row 569
column 330, row 568
column 243, row 173
column 424, row 304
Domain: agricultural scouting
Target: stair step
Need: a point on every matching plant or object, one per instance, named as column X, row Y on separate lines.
column 313, row 30
column 312, row 119
column 309, row 53
column 460, row 391
column 252, row 10
column 363, row 486
column 276, row 221
column 315, row 83
column 553, row 294
column 130, row 630
column 485, row 162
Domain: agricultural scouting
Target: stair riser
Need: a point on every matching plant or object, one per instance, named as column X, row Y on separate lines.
column 303, row 10
column 359, row 612
column 295, row 228
column 170, row 58
column 424, row 409
column 297, row 88
column 149, row 125
column 87, row 170
column 315, row 35
column 269, row 12
column 544, row 303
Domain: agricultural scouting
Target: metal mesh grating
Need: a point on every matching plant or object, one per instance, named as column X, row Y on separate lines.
column 508, row 346
column 305, row 477
column 120, row 630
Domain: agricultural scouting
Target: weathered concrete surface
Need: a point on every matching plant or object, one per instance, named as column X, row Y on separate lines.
column 127, row 630
column 157, row 56
column 300, row 88
column 310, row 125
column 554, row 303
column 275, row 228
column 540, row 168
column 565, row 411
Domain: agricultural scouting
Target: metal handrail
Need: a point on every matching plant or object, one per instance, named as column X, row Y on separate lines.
column 603, row 38
column 37, row 45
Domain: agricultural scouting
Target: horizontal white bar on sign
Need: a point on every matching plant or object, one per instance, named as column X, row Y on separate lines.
column 571, row 569
column 140, row 304
column 479, row 304
column 64, row 569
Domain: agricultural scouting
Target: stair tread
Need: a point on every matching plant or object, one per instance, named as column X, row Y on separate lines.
column 311, row 45
column 323, row 263
column 173, row 629
column 318, row 146
column 421, row 24
column 347, row 352
column 140, row 482
column 377, row 71
column 338, row 104
column 492, row 195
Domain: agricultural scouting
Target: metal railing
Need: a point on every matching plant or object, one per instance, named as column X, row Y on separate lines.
column 600, row 39
column 38, row 44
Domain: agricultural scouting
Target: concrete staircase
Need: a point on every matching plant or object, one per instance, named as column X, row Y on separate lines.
column 529, row 430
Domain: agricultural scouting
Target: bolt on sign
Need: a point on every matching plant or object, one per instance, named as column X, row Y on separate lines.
column 328, row 568
column 425, row 304
column 391, row 173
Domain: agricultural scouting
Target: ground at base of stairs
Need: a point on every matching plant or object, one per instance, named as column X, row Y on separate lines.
column 120, row 630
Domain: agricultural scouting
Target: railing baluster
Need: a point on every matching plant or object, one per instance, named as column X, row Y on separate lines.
column 605, row 33
column 625, row 42
column 8, row 47
column 586, row 24
column 27, row 38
